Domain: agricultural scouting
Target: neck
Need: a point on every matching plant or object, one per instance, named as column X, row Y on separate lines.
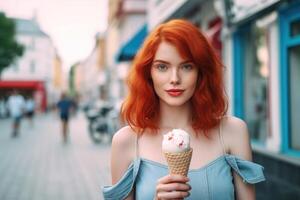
column 175, row 116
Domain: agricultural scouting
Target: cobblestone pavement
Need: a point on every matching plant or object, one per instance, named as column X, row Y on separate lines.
column 39, row 166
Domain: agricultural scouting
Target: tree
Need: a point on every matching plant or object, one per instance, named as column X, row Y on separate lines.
column 72, row 88
column 10, row 49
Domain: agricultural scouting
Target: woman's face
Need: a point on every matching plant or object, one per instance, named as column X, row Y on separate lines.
column 174, row 78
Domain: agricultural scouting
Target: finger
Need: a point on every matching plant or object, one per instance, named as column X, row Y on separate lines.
column 173, row 195
column 173, row 186
column 175, row 199
column 173, row 178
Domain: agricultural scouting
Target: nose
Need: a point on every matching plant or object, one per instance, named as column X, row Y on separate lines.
column 175, row 78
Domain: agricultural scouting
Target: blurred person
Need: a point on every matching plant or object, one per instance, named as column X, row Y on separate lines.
column 29, row 109
column 16, row 106
column 65, row 106
column 176, row 82
column 3, row 108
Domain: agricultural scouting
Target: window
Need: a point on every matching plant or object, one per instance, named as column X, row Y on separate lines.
column 15, row 67
column 157, row 2
column 290, row 78
column 32, row 45
column 294, row 106
column 295, row 28
column 256, row 81
column 32, row 66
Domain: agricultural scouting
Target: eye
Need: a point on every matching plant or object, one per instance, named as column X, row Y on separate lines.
column 161, row 67
column 187, row 66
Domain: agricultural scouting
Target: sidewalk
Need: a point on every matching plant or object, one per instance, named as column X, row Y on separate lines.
column 38, row 166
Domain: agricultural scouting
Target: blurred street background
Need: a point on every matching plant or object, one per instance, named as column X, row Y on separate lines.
column 63, row 68
column 38, row 165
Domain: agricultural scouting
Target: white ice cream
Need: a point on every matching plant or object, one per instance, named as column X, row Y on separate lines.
column 176, row 141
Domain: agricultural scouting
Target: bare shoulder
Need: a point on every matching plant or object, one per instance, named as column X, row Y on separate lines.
column 235, row 125
column 123, row 137
column 122, row 152
column 236, row 136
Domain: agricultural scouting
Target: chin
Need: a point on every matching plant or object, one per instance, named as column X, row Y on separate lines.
column 175, row 102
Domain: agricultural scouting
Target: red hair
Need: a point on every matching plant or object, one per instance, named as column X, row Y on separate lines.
column 141, row 107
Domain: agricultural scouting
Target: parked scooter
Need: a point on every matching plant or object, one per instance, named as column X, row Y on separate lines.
column 103, row 122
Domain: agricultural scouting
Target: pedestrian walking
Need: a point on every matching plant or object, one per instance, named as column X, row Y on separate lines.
column 176, row 83
column 29, row 109
column 3, row 108
column 65, row 106
column 16, row 106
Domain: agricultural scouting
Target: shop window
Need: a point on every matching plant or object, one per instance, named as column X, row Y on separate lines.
column 290, row 76
column 256, row 81
column 295, row 28
column 294, row 106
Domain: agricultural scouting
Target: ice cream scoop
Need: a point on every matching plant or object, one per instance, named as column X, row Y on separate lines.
column 176, row 140
column 177, row 151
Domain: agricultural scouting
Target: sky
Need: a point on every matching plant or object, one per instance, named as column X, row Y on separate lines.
column 71, row 24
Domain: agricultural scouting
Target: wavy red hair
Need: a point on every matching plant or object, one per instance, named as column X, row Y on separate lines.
column 141, row 107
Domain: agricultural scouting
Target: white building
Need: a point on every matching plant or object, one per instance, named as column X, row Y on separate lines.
column 37, row 62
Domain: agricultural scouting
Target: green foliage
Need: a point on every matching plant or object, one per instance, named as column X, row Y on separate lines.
column 71, row 81
column 10, row 49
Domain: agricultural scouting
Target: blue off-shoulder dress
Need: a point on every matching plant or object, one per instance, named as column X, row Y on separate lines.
column 213, row 181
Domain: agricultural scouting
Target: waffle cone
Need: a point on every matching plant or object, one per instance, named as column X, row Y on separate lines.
column 179, row 163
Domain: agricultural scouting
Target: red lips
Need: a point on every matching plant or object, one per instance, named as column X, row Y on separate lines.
column 174, row 92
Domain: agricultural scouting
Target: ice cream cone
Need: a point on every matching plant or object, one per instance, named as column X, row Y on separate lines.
column 179, row 162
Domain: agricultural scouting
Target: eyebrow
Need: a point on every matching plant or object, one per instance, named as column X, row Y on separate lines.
column 162, row 61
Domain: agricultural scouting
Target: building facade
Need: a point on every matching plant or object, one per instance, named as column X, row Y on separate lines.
column 36, row 67
column 264, row 40
column 126, row 31
column 89, row 75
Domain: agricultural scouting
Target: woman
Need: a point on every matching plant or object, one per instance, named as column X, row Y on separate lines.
column 176, row 82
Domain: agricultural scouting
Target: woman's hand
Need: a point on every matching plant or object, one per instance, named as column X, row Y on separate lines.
column 172, row 187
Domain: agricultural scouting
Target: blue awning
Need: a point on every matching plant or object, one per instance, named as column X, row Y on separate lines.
column 130, row 48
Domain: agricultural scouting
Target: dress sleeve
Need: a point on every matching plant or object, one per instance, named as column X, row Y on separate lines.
column 249, row 171
column 124, row 186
